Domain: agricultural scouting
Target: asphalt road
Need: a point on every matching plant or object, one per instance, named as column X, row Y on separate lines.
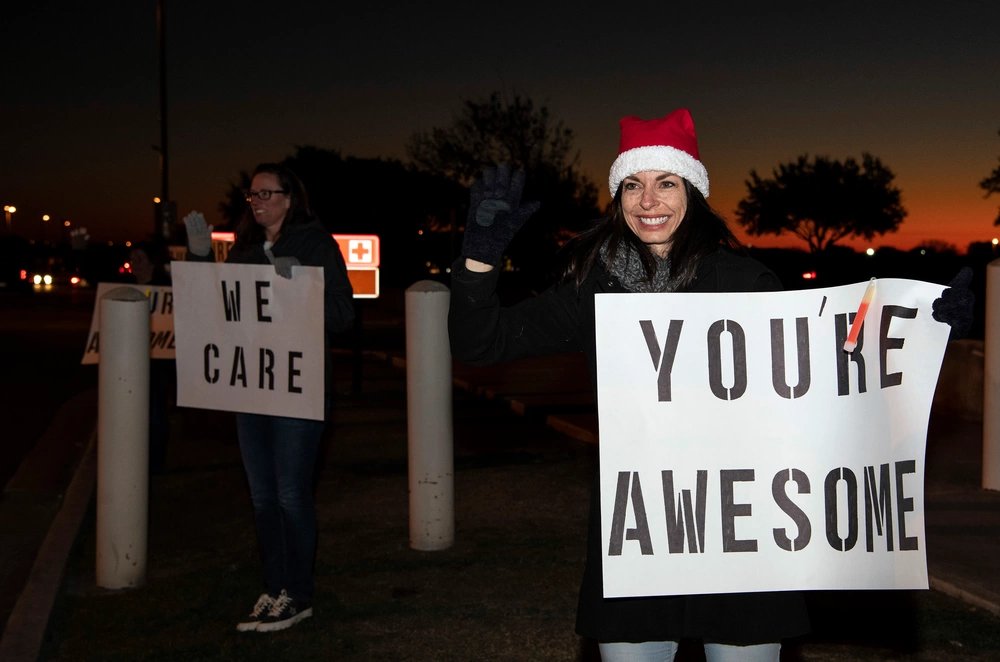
column 42, row 337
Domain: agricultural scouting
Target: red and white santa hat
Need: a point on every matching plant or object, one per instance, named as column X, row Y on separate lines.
column 668, row 144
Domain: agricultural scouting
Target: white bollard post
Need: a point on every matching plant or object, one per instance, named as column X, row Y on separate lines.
column 991, row 379
column 123, row 439
column 429, row 417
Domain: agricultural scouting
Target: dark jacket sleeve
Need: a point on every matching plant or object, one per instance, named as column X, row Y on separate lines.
column 339, row 304
column 482, row 331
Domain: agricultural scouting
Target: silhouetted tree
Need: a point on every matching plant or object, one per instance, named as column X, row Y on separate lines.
column 516, row 132
column 373, row 196
column 936, row 247
column 991, row 185
column 234, row 204
column 823, row 201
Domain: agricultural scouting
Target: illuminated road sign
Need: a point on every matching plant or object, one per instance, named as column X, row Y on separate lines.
column 362, row 255
column 364, row 282
column 359, row 250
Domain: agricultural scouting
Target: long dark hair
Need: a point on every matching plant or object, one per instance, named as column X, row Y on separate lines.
column 248, row 232
column 701, row 231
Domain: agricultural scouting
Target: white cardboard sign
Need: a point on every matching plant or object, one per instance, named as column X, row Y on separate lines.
column 249, row 340
column 742, row 449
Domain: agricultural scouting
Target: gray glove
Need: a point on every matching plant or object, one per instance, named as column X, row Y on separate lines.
column 283, row 265
column 495, row 213
column 199, row 234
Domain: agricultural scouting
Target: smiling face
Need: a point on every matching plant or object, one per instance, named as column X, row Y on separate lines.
column 654, row 203
column 269, row 214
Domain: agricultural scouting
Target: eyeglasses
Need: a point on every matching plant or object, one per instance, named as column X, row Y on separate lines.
column 263, row 194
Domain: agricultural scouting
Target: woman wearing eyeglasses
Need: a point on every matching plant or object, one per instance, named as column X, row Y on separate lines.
column 280, row 453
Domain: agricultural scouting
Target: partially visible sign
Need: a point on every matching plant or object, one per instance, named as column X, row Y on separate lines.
column 361, row 252
column 249, row 340
column 161, row 321
column 364, row 282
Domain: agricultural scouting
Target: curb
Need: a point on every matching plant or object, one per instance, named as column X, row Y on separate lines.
column 941, row 586
column 28, row 620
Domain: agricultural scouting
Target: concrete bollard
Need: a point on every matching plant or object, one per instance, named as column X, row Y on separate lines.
column 123, row 439
column 991, row 379
column 429, row 417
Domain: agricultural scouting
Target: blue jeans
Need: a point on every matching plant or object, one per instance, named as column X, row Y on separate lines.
column 664, row 651
column 279, row 456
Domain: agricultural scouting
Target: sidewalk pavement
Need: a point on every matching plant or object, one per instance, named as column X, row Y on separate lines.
column 506, row 590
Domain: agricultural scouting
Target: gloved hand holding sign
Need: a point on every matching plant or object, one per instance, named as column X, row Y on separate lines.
column 954, row 306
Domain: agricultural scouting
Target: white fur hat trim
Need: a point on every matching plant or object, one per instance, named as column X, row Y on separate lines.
column 658, row 157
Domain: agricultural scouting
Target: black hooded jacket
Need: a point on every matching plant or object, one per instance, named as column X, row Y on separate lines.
column 561, row 319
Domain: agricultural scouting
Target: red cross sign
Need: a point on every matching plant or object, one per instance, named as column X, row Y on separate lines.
column 359, row 250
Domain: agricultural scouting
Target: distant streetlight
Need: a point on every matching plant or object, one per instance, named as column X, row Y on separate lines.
column 8, row 213
column 870, row 252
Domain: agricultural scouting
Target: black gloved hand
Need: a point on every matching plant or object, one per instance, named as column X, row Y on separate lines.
column 954, row 306
column 495, row 214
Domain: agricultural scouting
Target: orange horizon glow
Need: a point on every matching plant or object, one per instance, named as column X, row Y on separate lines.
column 921, row 227
column 955, row 222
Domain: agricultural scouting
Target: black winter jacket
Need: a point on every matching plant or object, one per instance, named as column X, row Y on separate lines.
column 561, row 319
column 313, row 246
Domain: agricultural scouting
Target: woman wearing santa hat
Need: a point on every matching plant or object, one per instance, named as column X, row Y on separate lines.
column 661, row 236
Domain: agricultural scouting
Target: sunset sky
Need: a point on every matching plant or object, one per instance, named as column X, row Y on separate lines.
column 916, row 84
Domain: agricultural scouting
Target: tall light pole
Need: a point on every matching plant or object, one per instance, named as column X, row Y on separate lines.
column 165, row 211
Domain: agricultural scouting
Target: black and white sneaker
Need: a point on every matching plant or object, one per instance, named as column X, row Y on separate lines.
column 263, row 607
column 284, row 613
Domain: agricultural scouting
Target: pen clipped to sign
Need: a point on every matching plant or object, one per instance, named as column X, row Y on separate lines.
column 852, row 336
